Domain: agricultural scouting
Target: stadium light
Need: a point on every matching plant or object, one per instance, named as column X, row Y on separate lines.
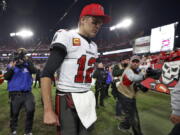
column 24, row 33
column 12, row 34
column 118, row 51
column 124, row 24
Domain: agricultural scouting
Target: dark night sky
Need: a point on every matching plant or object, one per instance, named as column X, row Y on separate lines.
column 42, row 15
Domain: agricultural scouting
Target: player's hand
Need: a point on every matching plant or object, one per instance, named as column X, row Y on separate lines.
column 50, row 118
column 175, row 119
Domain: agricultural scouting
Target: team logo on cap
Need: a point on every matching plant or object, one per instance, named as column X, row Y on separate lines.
column 76, row 42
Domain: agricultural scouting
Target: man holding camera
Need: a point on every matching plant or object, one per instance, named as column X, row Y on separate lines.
column 127, row 92
column 19, row 77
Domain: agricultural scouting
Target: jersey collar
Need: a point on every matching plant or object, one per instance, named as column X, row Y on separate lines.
column 87, row 39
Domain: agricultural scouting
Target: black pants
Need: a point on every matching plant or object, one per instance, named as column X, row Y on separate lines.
column 17, row 101
column 100, row 89
column 106, row 90
column 37, row 81
column 119, row 108
column 175, row 130
column 70, row 123
column 114, row 91
column 131, row 117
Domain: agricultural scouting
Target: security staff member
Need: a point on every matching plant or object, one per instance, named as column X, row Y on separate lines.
column 19, row 76
column 100, row 86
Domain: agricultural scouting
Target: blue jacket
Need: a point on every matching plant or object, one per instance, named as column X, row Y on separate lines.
column 21, row 80
column 109, row 78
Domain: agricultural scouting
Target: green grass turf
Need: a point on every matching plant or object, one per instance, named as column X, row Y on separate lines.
column 154, row 111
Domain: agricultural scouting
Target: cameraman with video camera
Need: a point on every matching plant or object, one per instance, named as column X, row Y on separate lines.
column 19, row 77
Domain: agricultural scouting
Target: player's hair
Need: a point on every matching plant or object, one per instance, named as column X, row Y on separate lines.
column 79, row 23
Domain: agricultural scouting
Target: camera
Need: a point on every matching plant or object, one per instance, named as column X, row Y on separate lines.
column 19, row 56
column 153, row 73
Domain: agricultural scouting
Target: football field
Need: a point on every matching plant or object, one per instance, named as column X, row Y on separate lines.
column 154, row 110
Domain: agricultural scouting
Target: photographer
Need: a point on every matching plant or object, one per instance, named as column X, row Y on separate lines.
column 19, row 77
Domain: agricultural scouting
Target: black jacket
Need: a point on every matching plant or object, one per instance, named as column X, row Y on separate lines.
column 100, row 75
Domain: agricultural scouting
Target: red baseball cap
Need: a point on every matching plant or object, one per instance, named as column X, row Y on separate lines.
column 95, row 9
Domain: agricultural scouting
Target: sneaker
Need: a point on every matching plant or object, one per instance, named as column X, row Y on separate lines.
column 14, row 133
column 126, row 131
column 28, row 134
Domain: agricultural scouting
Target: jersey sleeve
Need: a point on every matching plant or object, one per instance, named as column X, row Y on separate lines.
column 61, row 39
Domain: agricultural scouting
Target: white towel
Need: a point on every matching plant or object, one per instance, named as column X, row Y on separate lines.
column 85, row 106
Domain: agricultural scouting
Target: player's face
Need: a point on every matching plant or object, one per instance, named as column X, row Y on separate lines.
column 100, row 65
column 90, row 25
column 126, row 61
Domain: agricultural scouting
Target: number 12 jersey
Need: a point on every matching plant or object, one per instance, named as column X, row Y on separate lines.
column 76, row 69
